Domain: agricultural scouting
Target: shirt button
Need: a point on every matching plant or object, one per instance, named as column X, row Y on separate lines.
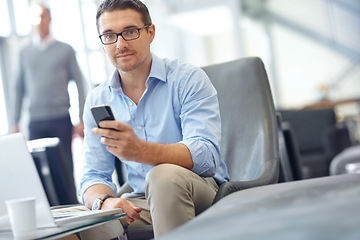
column 140, row 128
column 131, row 104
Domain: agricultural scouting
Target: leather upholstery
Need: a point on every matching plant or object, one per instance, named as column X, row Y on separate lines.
column 318, row 136
column 249, row 143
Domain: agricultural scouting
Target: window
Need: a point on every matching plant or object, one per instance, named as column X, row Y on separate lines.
column 22, row 17
column 4, row 19
column 3, row 115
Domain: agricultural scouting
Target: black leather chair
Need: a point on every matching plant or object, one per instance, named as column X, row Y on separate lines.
column 291, row 168
column 286, row 173
column 319, row 138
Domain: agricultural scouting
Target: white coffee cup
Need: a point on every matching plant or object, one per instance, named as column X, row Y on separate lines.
column 22, row 217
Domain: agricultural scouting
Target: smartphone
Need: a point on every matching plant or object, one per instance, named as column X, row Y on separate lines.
column 102, row 112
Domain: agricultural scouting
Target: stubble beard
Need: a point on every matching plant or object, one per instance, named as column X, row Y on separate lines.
column 135, row 66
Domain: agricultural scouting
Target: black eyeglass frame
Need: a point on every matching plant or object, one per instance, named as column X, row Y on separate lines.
column 121, row 34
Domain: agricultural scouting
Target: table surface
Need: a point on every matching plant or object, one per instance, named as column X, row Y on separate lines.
column 64, row 229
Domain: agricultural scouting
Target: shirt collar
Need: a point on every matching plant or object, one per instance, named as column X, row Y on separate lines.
column 43, row 44
column 157, row 71
column 115, row 82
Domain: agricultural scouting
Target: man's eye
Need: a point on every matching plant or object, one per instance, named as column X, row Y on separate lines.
column 109, row 36
column 130, row 32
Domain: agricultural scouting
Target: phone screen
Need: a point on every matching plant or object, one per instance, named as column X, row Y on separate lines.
column 102, row 112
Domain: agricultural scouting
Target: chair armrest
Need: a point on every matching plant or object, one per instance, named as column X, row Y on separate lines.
column 125, row 188
column 335, row 139
column 266, row 178
column 141, row 232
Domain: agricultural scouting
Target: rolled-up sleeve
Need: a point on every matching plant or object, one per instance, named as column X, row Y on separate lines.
column 201, row 124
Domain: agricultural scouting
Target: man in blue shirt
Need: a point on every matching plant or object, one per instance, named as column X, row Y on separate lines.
column 166, row 131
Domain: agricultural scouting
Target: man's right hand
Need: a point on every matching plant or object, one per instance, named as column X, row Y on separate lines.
column 15, row 129
column 128, row 207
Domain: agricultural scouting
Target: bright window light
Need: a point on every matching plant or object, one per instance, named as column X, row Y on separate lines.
column 204, row 21
column 21, row 10
column 4, row 19
column 3, row 115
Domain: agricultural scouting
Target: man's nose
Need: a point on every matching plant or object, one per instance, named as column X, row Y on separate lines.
column 121, row 43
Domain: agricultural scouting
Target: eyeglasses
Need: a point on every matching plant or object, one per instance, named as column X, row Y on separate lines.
column 127, row 35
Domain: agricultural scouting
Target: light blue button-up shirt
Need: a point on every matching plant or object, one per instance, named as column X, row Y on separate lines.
column 179, row 105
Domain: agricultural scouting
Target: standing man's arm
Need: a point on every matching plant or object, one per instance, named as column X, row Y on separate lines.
column 17, row 98
column 76, row 74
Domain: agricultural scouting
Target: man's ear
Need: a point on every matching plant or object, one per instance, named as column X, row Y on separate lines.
column 151, row 31
column 103, row 48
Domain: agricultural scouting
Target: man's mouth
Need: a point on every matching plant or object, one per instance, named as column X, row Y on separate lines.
column 123, row 55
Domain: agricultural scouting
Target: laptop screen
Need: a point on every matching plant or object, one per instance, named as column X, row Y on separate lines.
column 19, row 179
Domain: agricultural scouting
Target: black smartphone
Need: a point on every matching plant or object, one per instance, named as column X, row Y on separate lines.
column 102, row 112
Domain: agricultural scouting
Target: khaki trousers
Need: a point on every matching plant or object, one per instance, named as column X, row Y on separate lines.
column 173, row 196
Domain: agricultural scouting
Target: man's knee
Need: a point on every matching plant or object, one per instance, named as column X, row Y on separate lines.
column 166, row 174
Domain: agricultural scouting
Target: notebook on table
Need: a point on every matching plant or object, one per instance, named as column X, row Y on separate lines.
column 19, row 179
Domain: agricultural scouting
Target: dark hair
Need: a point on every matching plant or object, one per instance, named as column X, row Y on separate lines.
column 111, row 5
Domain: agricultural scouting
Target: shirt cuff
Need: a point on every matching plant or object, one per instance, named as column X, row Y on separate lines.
column 203, row 159
column 84, row 186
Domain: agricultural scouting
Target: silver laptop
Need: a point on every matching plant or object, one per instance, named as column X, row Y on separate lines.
column 19, row 179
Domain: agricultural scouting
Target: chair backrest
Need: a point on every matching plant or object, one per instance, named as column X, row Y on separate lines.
column 249, row 143
column 290, row 153
column 57, row 181
column 286, row 172
column 309, row 127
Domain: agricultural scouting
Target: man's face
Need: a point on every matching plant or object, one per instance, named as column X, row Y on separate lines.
column 126, row 55
column 40, row 19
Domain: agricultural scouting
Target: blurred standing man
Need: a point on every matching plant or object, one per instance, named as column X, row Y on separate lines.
column 45, row 68
column 167, row 128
